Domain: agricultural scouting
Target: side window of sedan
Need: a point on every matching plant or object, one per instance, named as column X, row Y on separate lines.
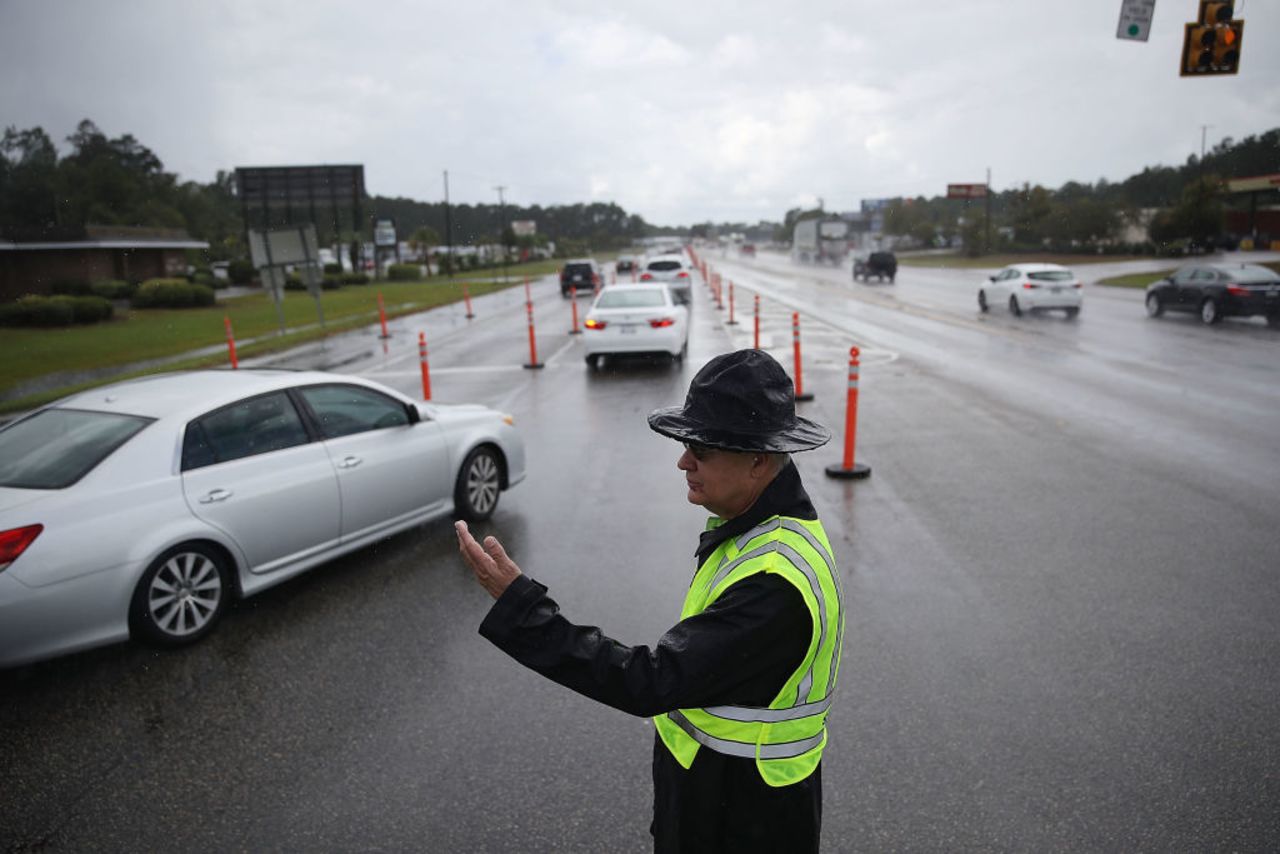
column 257, row 425
column 346, row 409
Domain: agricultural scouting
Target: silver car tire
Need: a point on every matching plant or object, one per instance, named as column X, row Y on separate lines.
column 181, row 596
column 1014, row 308
column 1155, row 306
column 479, row 482
column 982, row 301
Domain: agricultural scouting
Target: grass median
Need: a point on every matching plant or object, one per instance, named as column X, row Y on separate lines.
column 141, row 335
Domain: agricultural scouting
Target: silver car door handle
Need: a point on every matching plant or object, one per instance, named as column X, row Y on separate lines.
column 349, row 462
column 216, row 495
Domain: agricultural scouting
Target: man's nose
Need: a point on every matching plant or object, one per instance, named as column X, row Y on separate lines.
column 686, row 461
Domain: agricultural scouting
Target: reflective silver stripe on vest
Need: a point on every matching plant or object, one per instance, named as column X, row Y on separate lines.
column 762, row 528
column 806, row 682
column 786, row 750
column 759, row 715
column 794, row 527
column 736, row 562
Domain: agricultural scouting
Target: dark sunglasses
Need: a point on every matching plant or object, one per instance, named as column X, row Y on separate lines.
column 700, row 452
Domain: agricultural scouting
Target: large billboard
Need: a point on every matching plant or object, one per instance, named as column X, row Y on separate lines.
column 330, row 197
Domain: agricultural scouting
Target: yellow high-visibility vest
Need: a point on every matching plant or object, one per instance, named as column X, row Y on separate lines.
column 786, row 738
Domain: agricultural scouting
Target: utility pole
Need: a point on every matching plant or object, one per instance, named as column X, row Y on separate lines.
column 502, row 231
column 1204, row 130
column 988, row 210
column 448, row 224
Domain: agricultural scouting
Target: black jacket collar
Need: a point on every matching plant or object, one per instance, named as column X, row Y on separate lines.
column 784, row 496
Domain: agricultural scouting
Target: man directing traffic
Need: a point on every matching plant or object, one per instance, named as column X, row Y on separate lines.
column 740, row 688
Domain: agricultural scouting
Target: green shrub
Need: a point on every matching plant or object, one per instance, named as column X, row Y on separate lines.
column 240, row 272
column 58, row 310
column 331, row 283
column 91, row 309
column 333, row 269
column 293, row 282
column 112, row 289
column 209, row 280
column 355, row 278
column 70, row 287
column 404, row 272
column 171, row 293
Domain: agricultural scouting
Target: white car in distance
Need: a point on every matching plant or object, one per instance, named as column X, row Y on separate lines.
column 634, row 319
column 1032, row 287
column 671, row 270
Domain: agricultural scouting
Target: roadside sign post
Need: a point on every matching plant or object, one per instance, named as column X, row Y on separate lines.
column 1135, row 19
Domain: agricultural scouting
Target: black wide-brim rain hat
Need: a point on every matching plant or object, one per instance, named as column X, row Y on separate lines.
column 741, row 401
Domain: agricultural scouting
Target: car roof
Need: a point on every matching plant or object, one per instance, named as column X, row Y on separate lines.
column 191, row 392
column 1039, row 268
column 581, row 261
column 646, row 286
column 1234, row 268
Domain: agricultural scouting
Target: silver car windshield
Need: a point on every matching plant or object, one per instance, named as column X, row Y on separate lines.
column 55, row 448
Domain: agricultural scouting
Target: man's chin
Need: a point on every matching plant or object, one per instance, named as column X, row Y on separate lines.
column 695, row 497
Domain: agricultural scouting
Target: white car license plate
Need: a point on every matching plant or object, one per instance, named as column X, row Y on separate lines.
column 627, row 328
column 1055, row 290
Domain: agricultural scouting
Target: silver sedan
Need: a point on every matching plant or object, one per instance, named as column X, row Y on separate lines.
column 141, row 508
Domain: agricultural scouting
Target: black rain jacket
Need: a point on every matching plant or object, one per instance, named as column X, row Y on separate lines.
column 740, row 651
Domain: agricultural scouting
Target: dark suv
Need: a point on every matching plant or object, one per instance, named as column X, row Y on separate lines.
column 580, row 273
column 882, row 265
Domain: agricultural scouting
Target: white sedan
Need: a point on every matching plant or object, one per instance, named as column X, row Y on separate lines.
column 140, row 509
column 1032, row 287
column 636, row 319
column 671, row 270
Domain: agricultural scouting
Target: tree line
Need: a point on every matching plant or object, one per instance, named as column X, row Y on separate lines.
column 120, row 181
column 1189, row 204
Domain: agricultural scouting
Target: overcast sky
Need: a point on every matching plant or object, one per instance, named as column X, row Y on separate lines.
column 679, row 111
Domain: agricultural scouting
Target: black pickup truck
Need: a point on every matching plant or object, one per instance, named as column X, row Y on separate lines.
column 882, row 265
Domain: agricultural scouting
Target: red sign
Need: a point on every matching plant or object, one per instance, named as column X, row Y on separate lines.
column 966, row 191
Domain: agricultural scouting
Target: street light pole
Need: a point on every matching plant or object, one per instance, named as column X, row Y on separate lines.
column 448, row 224
column 502, row 235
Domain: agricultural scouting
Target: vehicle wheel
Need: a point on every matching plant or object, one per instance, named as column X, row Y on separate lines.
column 1014, row 308
column 1155, row 306
column 891, row 280
column 181, row 596
column 479, row 482
column 1273, row 320
column 982, row 301
column 1071, row 313
column 1209, row 311
column 678, row 358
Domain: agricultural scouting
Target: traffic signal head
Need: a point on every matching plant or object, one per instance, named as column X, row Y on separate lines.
column 1210, row 48
column 1216, row 13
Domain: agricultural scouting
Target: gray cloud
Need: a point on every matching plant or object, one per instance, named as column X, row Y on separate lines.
column 680, row 112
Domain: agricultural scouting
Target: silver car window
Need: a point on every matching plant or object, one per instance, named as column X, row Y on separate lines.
column 256, row 425
column 346, row 409
column 56, row 447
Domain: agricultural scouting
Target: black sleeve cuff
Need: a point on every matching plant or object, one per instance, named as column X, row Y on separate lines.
column 510, row 609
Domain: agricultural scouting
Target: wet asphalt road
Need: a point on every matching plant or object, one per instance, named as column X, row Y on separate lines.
column 1061, row 580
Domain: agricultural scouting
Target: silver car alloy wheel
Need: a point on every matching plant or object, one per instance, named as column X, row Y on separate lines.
column 482, row 483
column 184, row 594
